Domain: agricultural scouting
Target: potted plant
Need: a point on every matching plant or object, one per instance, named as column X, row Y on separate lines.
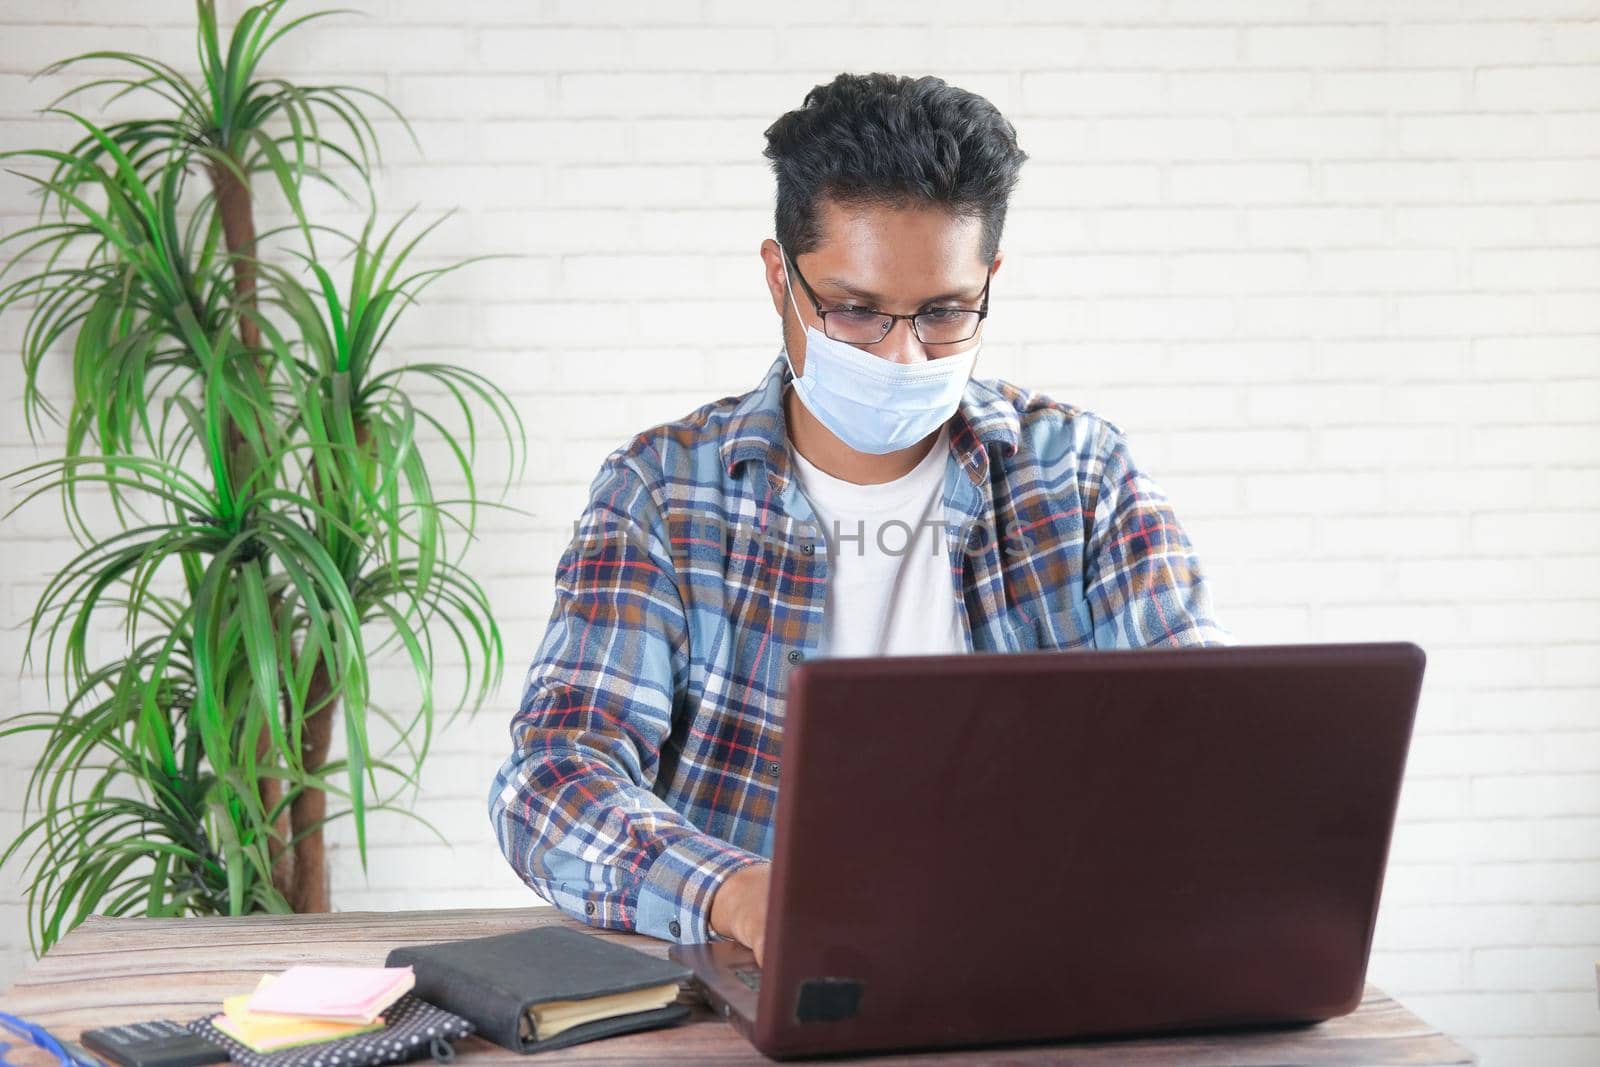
column 273, row 523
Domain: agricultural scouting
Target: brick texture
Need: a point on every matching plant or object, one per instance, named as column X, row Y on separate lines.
column 1332, row 265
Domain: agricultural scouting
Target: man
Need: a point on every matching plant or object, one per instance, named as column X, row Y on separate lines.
column 869, row 497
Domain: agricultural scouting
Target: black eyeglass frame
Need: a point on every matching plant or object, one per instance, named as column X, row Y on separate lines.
column 982, row 311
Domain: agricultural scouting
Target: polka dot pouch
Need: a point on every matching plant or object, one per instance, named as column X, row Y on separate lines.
column 412, row 1028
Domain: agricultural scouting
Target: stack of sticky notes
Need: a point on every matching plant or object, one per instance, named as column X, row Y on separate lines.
column 307, row 1005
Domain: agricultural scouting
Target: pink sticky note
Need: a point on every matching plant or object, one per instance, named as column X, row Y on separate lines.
column 325, row 992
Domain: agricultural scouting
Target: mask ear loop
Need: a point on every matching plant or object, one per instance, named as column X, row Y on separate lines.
column 788, row 284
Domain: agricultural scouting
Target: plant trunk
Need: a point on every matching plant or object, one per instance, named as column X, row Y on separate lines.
column 239, row 231
column 310, row 806
column 299, row 874
column 309, row 889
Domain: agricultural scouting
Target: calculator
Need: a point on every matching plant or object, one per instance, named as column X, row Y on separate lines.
column 161, row 1043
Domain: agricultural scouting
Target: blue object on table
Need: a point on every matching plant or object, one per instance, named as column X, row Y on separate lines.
column 43, row 1038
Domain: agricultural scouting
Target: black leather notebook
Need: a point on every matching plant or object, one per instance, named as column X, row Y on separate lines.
column 508, row 985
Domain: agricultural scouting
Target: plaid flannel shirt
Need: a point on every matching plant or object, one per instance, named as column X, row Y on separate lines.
column 647, row 744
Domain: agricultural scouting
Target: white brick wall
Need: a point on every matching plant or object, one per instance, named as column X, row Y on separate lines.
column 1334, row 265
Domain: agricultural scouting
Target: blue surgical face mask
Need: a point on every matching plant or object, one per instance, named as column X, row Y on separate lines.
column 870, row 403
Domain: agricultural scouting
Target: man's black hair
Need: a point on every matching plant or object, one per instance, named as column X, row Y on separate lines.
column 893, row 141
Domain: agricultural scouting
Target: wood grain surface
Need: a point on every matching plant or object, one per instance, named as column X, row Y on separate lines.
column 111, row 971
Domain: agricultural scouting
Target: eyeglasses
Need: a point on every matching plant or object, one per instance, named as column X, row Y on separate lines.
column 868, row 326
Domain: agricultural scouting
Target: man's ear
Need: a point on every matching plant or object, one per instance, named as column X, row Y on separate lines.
column 773, row 268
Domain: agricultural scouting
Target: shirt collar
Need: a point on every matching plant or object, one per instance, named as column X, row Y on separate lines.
column 757, row 430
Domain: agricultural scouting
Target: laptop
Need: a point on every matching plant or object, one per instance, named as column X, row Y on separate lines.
column 1072, row 844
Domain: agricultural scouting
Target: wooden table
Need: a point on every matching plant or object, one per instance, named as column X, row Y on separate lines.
column 110, row 971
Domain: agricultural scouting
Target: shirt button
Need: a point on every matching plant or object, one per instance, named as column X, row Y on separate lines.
column 675, row 928
column 806, row 550
column 772, row 768
column 794, row 655
column 588, row 907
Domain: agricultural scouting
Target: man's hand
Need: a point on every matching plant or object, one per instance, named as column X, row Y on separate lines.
column 739, row 907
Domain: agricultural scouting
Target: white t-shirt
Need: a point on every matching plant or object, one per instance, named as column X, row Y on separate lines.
column 889, row 589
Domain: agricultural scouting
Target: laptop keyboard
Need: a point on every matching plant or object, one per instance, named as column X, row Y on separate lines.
column 750, row 976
